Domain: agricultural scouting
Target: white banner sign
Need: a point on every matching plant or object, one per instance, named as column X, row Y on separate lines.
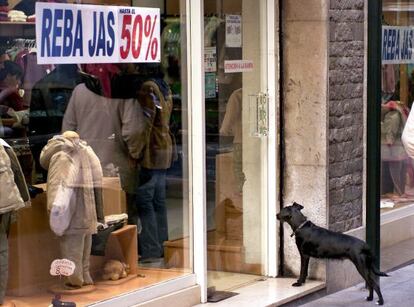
column 77, row 34
column 233, row 31
column 397, row 45
column 238, row 66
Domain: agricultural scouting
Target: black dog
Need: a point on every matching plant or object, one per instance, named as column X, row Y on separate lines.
column 314, row 241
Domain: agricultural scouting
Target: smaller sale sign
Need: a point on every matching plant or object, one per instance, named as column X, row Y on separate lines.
column 77, row 34
column 63, row 267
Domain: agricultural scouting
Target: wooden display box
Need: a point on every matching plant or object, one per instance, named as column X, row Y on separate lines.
column 122, row 246
column 33, row 247
column 222, row 255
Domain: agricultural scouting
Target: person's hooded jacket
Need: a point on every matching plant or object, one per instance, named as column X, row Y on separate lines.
column 73, row 164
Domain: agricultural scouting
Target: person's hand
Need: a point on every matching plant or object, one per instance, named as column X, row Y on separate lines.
column 146, row 96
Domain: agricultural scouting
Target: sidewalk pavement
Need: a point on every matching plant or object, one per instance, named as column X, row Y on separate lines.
column 397, row 290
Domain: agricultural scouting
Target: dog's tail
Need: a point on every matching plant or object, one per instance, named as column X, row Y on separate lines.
column 378, row 272
column 371, row 263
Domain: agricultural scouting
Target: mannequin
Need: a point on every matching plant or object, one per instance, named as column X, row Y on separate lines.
column 13, row 196
column 72, row 164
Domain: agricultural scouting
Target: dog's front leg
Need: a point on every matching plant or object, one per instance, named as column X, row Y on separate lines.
column 304, row 265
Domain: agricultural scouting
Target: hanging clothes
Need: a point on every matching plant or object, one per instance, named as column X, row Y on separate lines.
column 388, row 79
column 393, row 156
column 105, row 73
column 171, row 54
column 32, row 73
column 14, row 195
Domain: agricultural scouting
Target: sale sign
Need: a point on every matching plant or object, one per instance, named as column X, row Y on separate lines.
column 77, row 34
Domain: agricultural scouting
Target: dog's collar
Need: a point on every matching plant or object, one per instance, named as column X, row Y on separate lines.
column 297, row 229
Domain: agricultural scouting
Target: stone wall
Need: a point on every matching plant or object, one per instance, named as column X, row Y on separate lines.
column 346, row 113
column 305, row 99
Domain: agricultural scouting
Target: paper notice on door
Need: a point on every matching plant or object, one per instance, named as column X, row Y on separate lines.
column 238, row 66
column 233, row 31
column 210, row 85
column 210, row 59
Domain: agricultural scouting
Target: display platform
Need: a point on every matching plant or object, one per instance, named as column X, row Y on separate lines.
column 143, row 279
column 33, row 246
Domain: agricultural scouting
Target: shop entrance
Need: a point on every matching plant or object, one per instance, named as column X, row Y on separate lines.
column 236, row 125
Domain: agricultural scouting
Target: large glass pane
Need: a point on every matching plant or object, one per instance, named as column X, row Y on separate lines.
column 236, row 123
column 103, row 151
column 397, row 176
column 397, row 138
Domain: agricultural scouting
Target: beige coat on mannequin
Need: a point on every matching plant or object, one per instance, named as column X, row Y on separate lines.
column 73, row 164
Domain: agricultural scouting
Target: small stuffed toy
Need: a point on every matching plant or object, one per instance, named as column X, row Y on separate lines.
column 114, row 270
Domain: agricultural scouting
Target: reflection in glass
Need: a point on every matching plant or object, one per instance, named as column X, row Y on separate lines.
column 130, row 226
column 397, row 88
column 235, row 156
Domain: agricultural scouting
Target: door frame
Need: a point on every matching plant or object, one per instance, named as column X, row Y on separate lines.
column 196, row 141
column 373, row 137
column 196, row 130
column 273, row 175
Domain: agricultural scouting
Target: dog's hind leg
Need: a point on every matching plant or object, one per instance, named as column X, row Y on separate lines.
column 370, row 296
column 363, row 271
column 366, row 272
column 373, row 274
column 304, row 265
column 373, row 277
column 376, row 287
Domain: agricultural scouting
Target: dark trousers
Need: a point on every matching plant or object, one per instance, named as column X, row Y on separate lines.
column 152, row 211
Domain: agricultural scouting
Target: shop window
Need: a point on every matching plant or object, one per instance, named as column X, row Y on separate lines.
column 103, row 151
column 235, row 125
column 397, row 96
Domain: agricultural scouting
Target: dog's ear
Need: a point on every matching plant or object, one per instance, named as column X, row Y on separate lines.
column 297, row 206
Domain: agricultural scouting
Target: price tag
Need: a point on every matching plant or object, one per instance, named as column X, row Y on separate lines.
column 63, row 267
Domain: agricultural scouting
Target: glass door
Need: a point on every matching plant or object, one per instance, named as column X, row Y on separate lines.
column 236, row 128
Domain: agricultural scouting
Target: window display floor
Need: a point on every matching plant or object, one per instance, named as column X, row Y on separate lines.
column 145, row 277
column 270, row 291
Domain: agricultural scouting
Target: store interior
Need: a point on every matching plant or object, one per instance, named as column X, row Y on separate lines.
column 49, row 95
column 45, row 92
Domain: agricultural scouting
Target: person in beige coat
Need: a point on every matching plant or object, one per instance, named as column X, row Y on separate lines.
column 71, row 163
column 116, row 129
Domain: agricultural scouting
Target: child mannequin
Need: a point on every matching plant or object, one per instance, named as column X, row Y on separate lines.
column 72, row 164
